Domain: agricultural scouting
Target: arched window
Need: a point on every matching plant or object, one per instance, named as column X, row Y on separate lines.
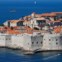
column 49, row 39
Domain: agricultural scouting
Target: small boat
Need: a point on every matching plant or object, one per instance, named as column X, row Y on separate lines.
column 13, row 11
column 35, row 2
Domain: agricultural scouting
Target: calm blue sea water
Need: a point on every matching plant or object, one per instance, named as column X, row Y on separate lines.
column 26, row 7
column 7, row 55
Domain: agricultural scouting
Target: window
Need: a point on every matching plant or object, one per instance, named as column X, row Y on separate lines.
column 37, row 42
column 56, row 39
column 32, row 42
column 56, row 43
column 44, row 39
column 49, row 39
column 41, row 42
column 6, row 38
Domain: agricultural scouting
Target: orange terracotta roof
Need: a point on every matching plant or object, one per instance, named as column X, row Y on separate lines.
column 27, row 17
column 48, row 14
column 2, row 28
column 40, row 18
column 28, row 30
column 13, row 32
column 57, row 21
column 37, row 15
column 54, row 21
column 57, row 12
column 57, row 29
column 25, row 20
column 14, row 21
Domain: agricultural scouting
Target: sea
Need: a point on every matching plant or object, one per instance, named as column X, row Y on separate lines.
column 15, row 9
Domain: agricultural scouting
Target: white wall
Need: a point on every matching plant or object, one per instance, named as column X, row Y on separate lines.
column 6, row 23
column 27, row 42
column 17, row 41
column 13, row 24
column 2, row 40
column 53, row 43
column 37, row 42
